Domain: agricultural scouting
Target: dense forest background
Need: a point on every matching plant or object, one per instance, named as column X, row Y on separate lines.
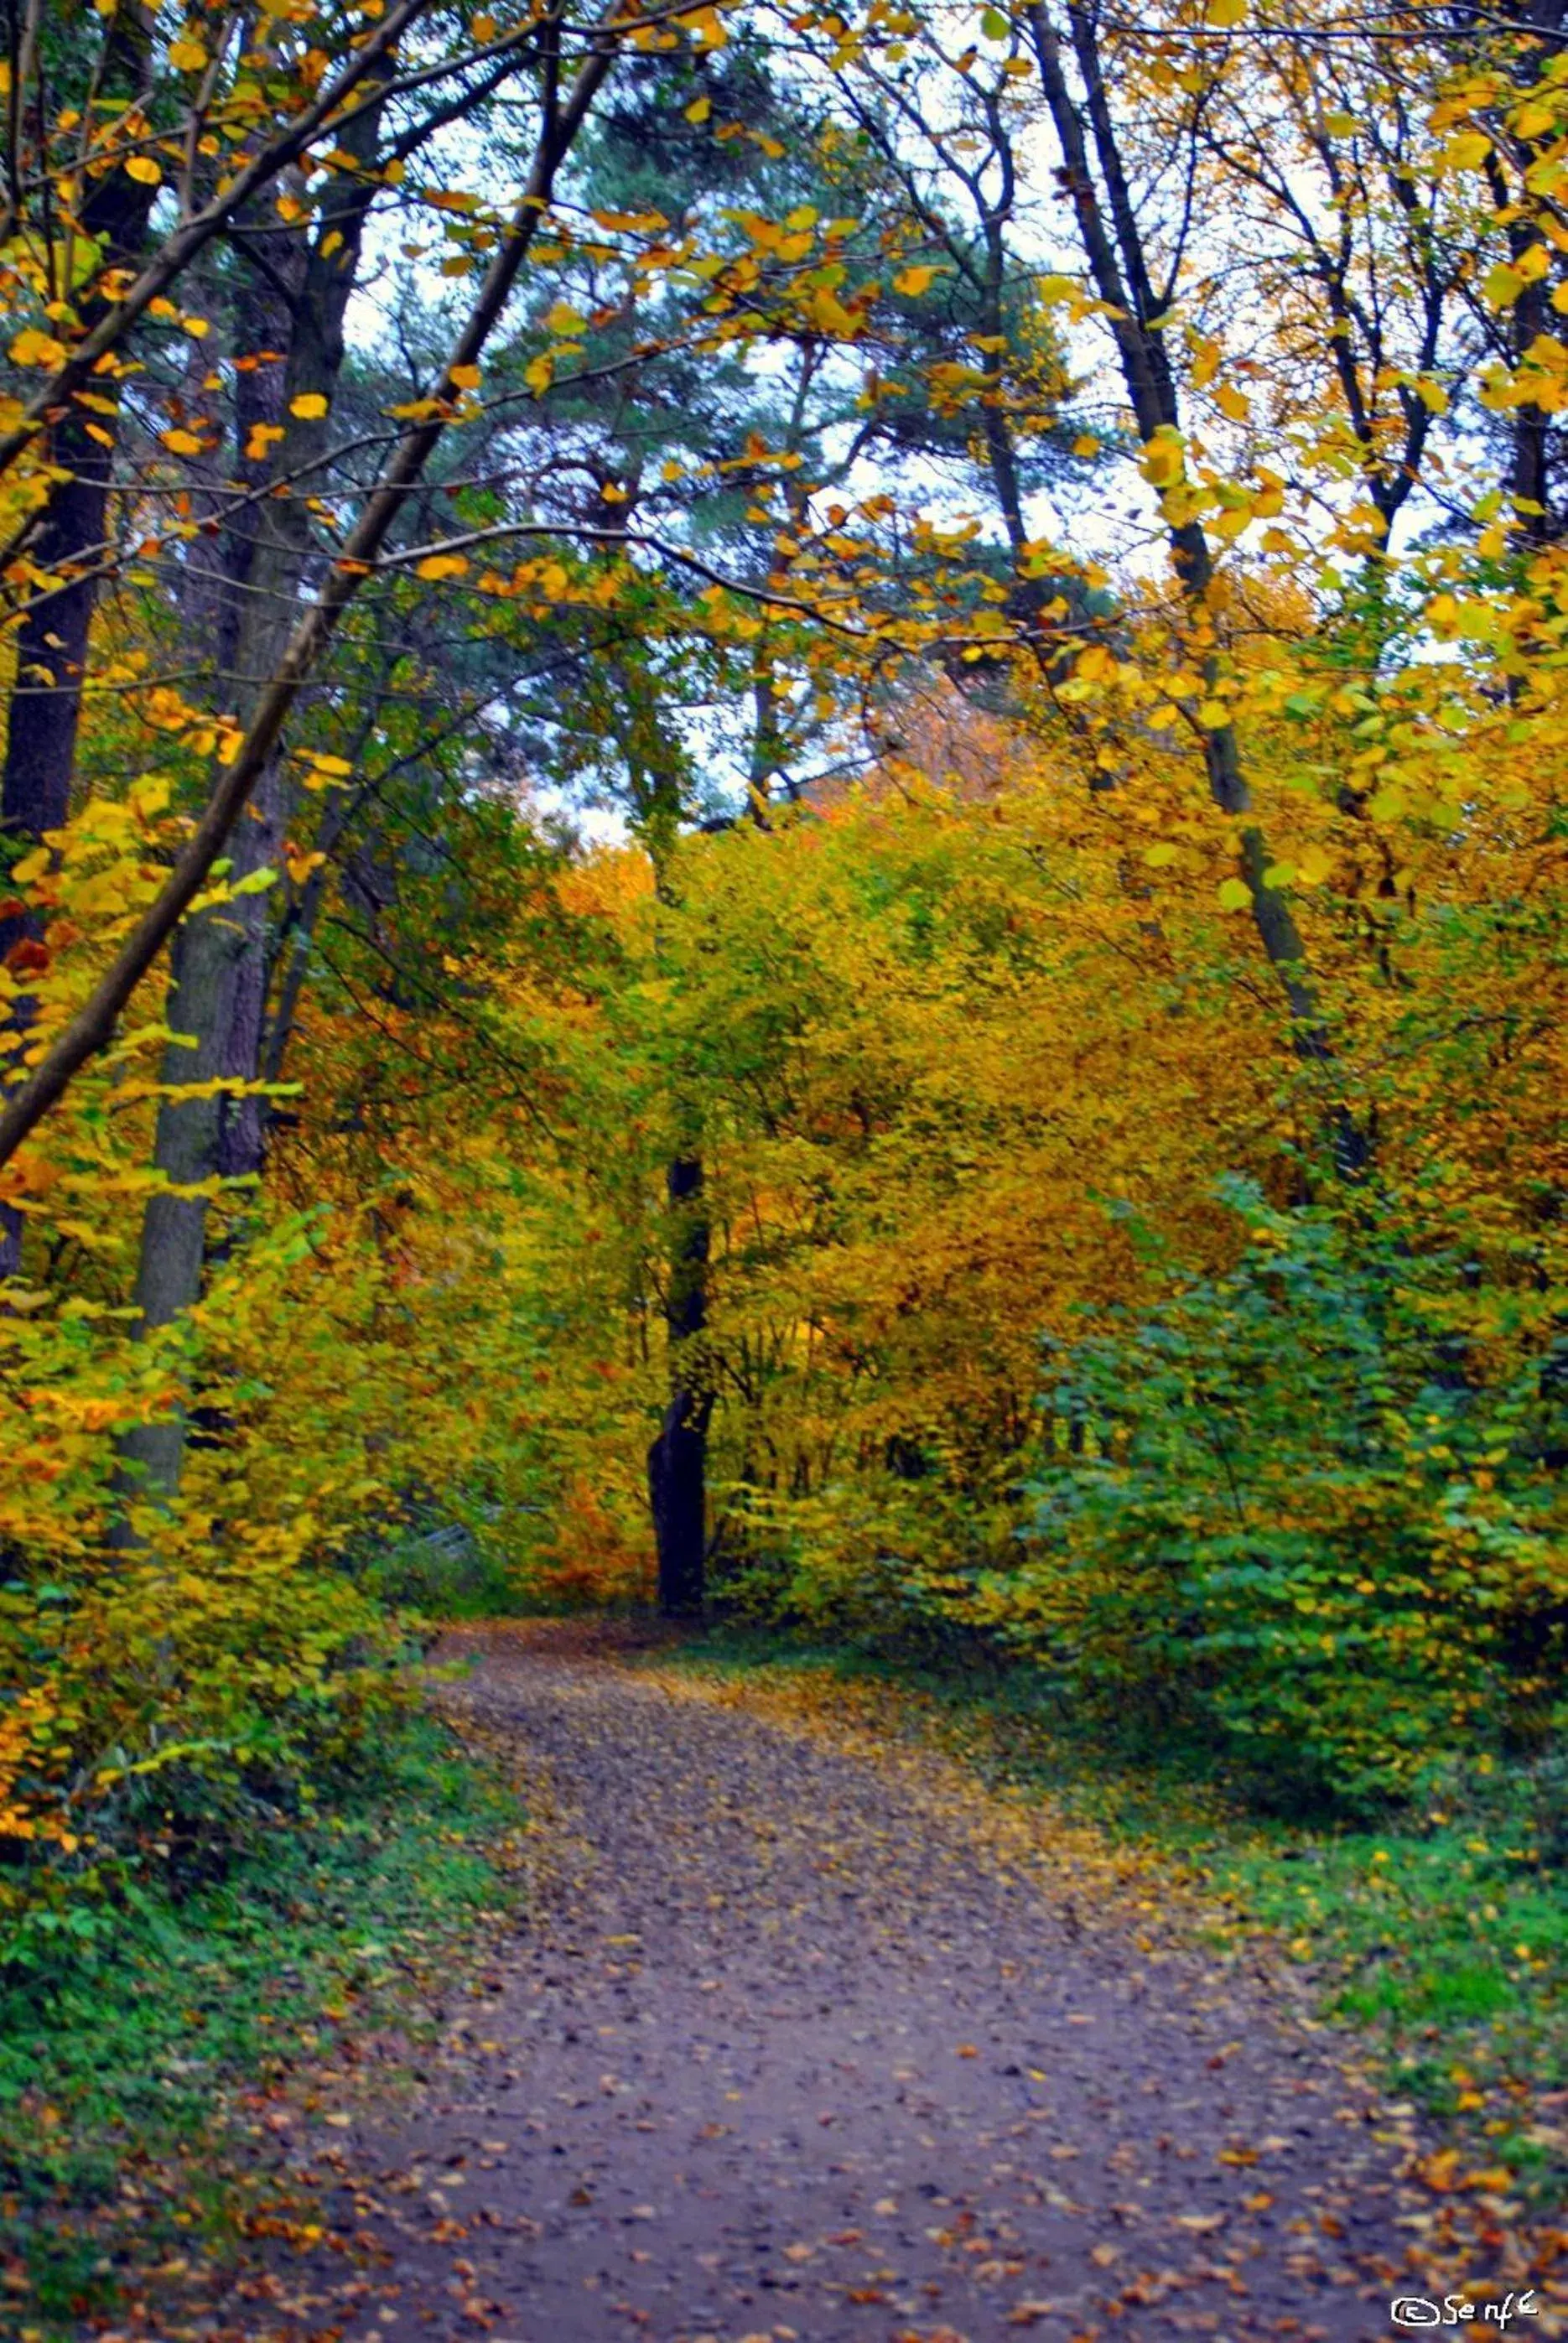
column 782, row 794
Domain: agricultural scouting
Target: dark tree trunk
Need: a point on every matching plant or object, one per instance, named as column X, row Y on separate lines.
column 51, row 637
column 678, row 1458
column 46, row 708
column 1112, row 243
column 678, row 1497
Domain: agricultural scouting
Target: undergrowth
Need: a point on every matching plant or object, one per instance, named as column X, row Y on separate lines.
column 141, row 2048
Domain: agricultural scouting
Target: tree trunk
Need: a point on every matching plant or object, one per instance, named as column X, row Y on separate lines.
column 1113, row 251
column 51, row 638
column 678, row 1458
column 206, row 959
column 218, row 991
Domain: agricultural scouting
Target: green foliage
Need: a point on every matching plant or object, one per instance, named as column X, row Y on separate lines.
column 130, row 2020
column 212, row 1705
column 438, row 1569
column 1306, row 1505
column 1446, row 1938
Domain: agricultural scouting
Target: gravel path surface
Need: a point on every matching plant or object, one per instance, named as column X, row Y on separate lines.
column 792, row 2046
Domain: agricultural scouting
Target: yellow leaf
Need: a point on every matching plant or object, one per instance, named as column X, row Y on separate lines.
column 1225, row 13
column 186, row 54
column 33, row 348
column 1468, row 150
column 309, row 406
column 699, row 109
column 914, row 280
column 1313, row 865
column 443, row 565
column 1234, row 894
column 142, row 168
column 1162, row 460
column 1232, row 402
column 1502, row 286
column 562, row 318
column 182, row 443
column 464, row 377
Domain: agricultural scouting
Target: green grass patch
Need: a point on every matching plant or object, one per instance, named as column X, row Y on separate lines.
column 136, row 2032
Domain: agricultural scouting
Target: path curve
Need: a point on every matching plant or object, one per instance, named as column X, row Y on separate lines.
column 787, row 2050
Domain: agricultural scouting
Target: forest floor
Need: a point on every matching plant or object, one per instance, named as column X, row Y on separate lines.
column 808, row 2035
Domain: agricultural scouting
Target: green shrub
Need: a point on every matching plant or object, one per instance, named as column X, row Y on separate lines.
column 1310, row 1508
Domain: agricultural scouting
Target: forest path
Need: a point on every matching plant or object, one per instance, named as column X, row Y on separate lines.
column 800, row 2042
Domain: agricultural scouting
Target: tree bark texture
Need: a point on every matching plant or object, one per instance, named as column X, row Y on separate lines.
column 678, row 1458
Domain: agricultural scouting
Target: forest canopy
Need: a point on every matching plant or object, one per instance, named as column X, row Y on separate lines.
column 782, row 802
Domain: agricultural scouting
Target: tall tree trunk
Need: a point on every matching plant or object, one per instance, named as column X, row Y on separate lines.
column 66, row 543
column 678, row 1458
column 1113, row 249
column 1529, row 478
column 218, row 991
column 677, row 1455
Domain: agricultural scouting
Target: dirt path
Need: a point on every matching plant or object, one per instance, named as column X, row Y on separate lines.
column 791, row 2048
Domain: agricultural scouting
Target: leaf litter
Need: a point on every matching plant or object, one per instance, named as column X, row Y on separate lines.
column 809, row 2035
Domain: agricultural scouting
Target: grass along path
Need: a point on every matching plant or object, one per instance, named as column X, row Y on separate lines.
column 156, row 2057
